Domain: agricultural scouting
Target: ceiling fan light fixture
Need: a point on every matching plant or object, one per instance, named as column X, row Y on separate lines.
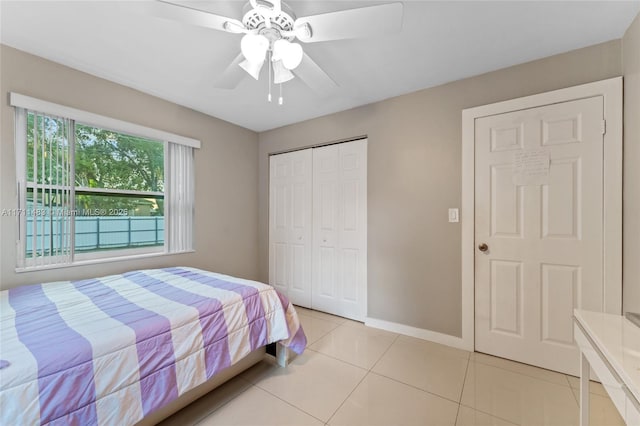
column 280, row 73
column 252, row 68
column 266, row 22
column 254, row 47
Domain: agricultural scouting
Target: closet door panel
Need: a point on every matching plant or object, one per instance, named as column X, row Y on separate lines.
column 339, row 229
column 278, row 222
column 325, row 295
column 352, row 230
column 290, row 225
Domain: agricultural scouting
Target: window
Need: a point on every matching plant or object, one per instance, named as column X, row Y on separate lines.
column 90, row 191
column 119, row 190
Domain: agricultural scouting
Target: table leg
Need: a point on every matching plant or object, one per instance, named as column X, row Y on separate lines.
column 585, row 371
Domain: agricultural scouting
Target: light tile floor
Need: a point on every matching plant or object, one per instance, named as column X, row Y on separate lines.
column 355, row 375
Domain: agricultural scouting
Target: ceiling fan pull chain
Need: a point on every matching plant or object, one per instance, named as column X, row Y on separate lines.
column 270, row 65
column 280, row 99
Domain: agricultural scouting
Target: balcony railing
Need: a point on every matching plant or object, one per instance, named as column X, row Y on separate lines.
column 93, row 233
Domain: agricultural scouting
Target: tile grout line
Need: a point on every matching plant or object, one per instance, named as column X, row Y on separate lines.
column 523, row 374
column 575, row 397
column 203, row 418
column 415, row 387
column 509, row 371
column 568, row 381
column 489, row 414
column 290, row 404
column 319, row 319
column 347, row 397
column 385, row 352
column 409, row 384
column 300, row 409
column 336, row 325
column 287, row 402
column 464, row 383
column 362, row 380
column 334, row 321
column 395, row 337
column 320, row 338
column 474, row 408
column 350, row 363
column 338, row 359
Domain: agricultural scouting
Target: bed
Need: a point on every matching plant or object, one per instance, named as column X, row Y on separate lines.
column 121, row 349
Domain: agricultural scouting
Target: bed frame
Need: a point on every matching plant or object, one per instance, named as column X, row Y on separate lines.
column 283, row 356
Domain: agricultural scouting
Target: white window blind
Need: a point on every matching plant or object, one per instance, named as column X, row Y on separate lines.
column 180, row 196
column 45, row 184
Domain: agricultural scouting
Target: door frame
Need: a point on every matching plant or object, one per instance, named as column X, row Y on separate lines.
column 611, row 90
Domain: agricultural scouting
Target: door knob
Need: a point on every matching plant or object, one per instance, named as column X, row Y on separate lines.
column 483, row 247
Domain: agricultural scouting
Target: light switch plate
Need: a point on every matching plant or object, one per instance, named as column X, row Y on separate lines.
column 454, row 215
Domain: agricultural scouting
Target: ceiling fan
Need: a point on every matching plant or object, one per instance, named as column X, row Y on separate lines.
column 270, row 31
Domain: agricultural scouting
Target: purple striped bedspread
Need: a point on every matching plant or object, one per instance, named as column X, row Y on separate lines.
column 111, row 350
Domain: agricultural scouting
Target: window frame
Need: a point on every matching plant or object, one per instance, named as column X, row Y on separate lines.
column 23, row 105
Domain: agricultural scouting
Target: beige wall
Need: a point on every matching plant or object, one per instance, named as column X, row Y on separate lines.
column 631, row 213
column 415, row 176
column 226, row 215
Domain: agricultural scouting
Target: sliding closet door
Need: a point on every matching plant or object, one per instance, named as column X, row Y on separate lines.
column 290, row 225
column 340, row 229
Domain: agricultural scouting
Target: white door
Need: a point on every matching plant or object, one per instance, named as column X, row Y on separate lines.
column 539, row 211
column 340, row 229
column 290, row 227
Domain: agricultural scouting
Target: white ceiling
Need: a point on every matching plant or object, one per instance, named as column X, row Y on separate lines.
column 440, row 42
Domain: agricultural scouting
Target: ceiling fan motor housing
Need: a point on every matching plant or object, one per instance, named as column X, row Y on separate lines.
column 281, row 22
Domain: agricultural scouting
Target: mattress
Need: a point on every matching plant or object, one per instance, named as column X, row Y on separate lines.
column 111, row 350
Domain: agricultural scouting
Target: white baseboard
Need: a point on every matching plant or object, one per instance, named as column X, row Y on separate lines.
column 420, row 333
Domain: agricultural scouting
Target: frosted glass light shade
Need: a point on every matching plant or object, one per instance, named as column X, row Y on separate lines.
column 280, row 73
column 293, row 57
column 289, row 53
column 254, row 47
column 252, row 68
column 279, row 47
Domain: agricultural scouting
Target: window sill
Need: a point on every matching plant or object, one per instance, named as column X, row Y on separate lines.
column 86, row 262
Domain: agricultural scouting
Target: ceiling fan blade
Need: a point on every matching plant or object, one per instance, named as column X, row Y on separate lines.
column 353, row 23
column 232, row 75
column 188, row 15
column 314, row 77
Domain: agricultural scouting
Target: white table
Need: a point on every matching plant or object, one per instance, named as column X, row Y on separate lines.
column 610, row 344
